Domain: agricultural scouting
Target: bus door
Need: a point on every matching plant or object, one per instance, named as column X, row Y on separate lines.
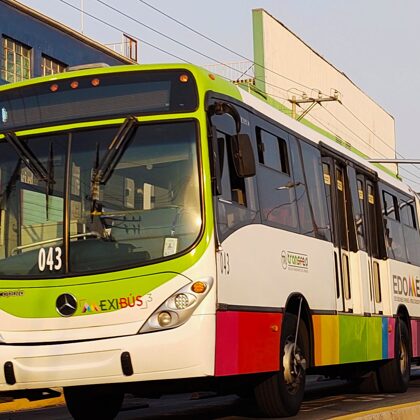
column 336, row 185
column 370, row 202
column 362, row 257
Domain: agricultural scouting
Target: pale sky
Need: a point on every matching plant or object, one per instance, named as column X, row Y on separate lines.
column 376, row 43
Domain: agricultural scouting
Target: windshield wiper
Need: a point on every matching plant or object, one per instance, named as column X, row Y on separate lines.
column 33, row 164
column 109, row 161
column 27, row 156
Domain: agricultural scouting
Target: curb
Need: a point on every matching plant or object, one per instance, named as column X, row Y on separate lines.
column 393, row 412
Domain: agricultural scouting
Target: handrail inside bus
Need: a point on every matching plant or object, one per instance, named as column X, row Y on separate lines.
column 49, row 241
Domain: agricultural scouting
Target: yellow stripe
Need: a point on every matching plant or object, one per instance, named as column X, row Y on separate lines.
column 326, row 332
column 377, row 410
column 24, row 404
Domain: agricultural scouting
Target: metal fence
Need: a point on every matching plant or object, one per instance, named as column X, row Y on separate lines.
column 240, row 71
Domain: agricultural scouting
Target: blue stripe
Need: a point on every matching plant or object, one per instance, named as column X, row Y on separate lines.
column 384, row 338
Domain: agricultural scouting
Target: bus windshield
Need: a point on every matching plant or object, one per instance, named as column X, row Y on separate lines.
column 147, row 209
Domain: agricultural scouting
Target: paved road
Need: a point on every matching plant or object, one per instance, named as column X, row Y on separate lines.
column 323, row 400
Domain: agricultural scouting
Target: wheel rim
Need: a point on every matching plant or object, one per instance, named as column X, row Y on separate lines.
column 294, row 365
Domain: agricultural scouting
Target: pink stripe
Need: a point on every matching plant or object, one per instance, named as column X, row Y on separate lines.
column 391, row 338
column 414, row 335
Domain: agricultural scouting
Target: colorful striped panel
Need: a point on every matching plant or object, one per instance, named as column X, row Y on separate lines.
column 391, row 339
column 247, row 342
column 415, row 337
column 351, row 338
column 326, row 339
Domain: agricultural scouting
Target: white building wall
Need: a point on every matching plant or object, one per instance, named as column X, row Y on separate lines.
column 358, row 120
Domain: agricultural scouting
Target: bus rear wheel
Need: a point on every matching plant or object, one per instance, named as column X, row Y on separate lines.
column 90, row 402
column 281, row 394
column 394, row 375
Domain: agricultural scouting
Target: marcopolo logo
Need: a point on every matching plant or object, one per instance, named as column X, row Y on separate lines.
column 406, row 289
column 294, row 261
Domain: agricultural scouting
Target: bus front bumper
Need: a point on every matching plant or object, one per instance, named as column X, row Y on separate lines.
column 183, row 352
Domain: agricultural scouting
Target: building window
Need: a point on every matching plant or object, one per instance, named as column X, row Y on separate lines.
column 51, row 66
column 16, row 61
column 130, row 47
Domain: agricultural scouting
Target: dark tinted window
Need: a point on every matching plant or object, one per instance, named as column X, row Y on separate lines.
column 314, row 181
column 411, row 234
column 408, row 214
column 272, row 151
column 357, row 195
column 395, row 243
column 390, row 206
column 372, row 220
column 237, row 205
column 306, row 219
column 276, row 186
column 97, row 97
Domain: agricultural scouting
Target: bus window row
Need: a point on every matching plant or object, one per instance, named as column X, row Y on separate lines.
column 293, row 190
column 400, row 225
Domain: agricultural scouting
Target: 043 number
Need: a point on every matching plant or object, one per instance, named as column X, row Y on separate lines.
column 50, row 258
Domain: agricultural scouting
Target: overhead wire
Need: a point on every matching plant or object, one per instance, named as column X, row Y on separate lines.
column 220, row 45
column 360, row 138
column 378, row 137
column 215, row 60
column 364, row 141
column 262, row 66
column 121, row 30
column 162, row 34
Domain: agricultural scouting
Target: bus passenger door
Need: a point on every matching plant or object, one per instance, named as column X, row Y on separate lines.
column 341, row 219
column 371, row 202
column 363, row 268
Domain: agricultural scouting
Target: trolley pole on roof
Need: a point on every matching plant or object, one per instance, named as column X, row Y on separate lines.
column 312, row 101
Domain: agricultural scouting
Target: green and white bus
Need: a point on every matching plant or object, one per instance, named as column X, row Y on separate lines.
column 163, row 230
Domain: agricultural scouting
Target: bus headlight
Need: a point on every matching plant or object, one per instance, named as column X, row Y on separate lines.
column 179, row 307
column 182, row 301
column 164, row 318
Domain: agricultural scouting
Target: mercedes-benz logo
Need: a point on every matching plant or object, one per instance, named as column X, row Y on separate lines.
column 66, row 304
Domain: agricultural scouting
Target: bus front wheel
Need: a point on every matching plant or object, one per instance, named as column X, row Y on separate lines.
column 281, row 394
column 90, row 402
column 394, row 375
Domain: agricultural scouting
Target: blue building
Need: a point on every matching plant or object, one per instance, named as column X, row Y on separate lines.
column 34, row 45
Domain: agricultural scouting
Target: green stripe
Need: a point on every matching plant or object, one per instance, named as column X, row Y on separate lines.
column 259, row 59
column 360, row 338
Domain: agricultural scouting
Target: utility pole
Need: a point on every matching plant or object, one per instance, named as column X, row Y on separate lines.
column 312, row 101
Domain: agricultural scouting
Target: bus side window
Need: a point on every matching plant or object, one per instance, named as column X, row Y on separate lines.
column 238, row 204
column 276, row 186
column 310, row 192
column 314, row 182
column 411, row 234
column 395, row 244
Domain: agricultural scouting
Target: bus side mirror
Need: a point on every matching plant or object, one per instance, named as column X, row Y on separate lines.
column 243, row 156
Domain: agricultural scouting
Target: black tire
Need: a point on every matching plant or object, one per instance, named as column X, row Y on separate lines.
column 275, row 397
column 394, row 375
column 89, row 402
